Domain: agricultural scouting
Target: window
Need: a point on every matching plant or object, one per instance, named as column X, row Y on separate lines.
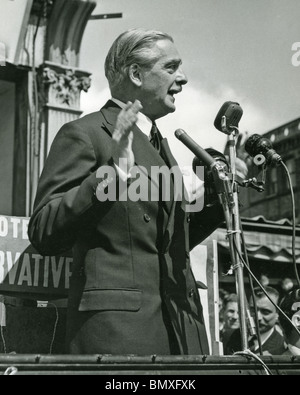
column 271, row 181
column 291, row 165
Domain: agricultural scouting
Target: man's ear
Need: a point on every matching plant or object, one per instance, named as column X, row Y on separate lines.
column 296, row 320
column 135, row 74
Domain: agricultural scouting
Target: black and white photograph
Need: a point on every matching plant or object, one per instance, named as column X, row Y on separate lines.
column 149, row 209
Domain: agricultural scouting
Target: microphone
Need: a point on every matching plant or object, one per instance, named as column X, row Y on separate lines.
column 228, row 117
column 210, row 194
column 216, row 155
column 194, row 147
column 261, row 149
column 221, row 179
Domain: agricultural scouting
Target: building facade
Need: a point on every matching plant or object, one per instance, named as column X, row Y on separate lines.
column 275, row 202
column 267, row 216
column 40, row 86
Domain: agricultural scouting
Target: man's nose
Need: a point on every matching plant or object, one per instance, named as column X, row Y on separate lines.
column 181, row 78
column 259, row 316
column 235, row 315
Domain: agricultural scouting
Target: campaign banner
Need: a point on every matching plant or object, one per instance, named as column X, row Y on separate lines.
column 26, row 273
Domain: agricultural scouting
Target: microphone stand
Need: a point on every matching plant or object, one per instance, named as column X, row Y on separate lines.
column 227, row 193
column 232, row 218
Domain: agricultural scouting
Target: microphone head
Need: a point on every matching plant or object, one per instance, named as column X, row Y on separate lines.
column 261, row 149
column 257, row 145
column 232, row 113
column 178, row 133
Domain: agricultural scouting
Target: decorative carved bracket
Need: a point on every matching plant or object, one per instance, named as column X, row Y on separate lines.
column 65, row 85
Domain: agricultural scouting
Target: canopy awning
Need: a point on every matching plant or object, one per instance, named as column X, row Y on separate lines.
column 267, row 240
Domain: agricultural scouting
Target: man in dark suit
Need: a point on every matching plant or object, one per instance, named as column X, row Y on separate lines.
column 132, row 289
column 272, row 340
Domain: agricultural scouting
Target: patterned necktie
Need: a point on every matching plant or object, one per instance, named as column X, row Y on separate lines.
column 154, row 138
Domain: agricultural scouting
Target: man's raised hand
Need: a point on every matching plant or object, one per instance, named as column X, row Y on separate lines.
column 123, row 136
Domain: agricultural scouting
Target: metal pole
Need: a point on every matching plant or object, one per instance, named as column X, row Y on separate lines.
column 234, row 236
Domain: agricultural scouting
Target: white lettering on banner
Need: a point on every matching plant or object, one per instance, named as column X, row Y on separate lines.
column 68, row 272
column 25, row 223
column 18, row 229
column 15, row 221
column 56, row 272
column 34, row 270
column 12, row 266
column 23, row 270
column 3, row 227
column 25, row 274
column 37, row 258
column 46, row 272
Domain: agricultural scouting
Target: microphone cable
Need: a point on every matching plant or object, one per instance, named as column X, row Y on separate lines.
column 251, row 289
column 249, row 353
column 55, row 326
column 293, row 221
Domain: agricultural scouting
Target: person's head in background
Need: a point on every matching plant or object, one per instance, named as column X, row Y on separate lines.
column 286, row 285
column 264, row 280
column 266, row 311
column 230, row 312
column 290, row 305
column 222, row 295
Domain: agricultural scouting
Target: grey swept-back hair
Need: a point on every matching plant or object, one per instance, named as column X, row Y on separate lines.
column 130, row 47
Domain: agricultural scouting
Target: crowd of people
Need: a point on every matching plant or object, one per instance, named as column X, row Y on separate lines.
column 276, row 313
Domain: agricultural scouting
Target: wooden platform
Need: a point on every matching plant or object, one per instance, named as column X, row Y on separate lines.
column 107, row 365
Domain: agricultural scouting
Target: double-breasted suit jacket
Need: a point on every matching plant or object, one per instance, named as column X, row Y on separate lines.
column 132, row 289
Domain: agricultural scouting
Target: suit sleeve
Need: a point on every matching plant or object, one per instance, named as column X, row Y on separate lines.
column 204, row 223
column 65, row 199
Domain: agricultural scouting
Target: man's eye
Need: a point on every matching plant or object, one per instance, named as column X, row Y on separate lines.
column 172, row 68
column 265, row 312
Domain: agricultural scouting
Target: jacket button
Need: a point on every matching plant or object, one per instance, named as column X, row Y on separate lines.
column 188, row 218
column 146, row 218
column 191, row 293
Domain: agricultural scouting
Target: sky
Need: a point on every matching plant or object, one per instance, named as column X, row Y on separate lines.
column 232, row 50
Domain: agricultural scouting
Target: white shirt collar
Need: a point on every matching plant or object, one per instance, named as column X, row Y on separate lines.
column 143, row 122
column 263, row 337
column 293, row 349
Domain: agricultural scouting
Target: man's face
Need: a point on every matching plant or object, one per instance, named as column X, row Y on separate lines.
column 162, row 81
column 267, row 314
column 296, row 316
column 231, row 316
